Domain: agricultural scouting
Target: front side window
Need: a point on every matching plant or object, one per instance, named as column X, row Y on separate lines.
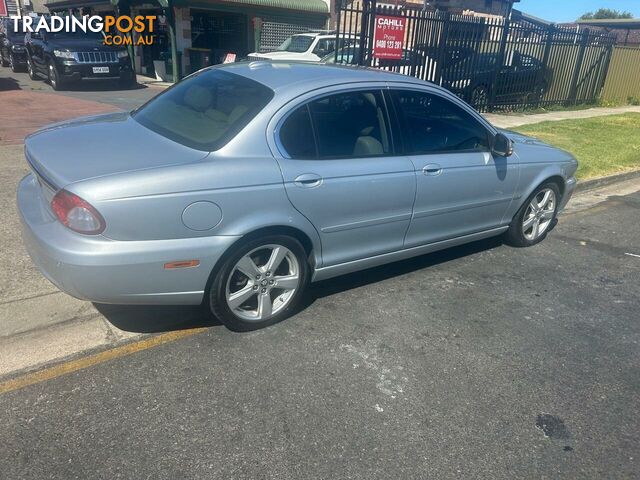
column 205, row 111
column 434, row 124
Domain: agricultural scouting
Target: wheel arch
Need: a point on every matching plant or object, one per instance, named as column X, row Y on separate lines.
column 313, row 255
column 548, row 175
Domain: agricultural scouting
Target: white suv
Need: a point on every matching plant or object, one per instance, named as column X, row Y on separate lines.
column 304, row 47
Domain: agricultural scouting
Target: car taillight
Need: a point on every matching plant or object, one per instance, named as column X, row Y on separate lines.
column 77, row 214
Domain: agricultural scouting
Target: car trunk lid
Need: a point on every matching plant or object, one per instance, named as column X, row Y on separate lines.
column 91, row 147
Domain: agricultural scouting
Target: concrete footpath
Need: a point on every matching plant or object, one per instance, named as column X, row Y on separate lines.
column 515, row 120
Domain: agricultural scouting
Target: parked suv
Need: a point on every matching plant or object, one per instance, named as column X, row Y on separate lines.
column 12, row 51
column 305, row 47
column 65, row 57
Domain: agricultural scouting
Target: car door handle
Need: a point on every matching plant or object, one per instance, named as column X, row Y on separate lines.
column 432, row 169
column 308, row 180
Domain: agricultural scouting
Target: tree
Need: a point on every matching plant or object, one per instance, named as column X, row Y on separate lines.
column 605, row 13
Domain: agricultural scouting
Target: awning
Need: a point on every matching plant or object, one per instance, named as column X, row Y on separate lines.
column 313, row 6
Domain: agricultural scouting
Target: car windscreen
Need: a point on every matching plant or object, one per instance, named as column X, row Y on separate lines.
column 77, row 35
column 296, row 44
column 206, row 110
column 15, row 34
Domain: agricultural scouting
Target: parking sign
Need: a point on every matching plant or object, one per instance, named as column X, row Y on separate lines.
column 388, row 37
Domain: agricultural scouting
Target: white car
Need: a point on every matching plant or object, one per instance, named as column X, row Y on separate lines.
column 304, row 47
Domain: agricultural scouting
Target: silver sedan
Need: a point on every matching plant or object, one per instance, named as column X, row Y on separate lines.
column 243, row 183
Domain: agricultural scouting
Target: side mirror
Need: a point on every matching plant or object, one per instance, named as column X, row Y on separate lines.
column 502, row 146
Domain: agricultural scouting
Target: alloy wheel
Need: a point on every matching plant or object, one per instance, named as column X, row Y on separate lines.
column 479, row 97
column 53, row 78
column 263, row 282
column 539, row 214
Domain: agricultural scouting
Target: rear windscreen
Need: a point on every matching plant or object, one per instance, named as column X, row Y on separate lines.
column 206, row 110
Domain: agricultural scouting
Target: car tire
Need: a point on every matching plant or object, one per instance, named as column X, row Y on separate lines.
column 31, row 70
column 536, row 217
column 244, row 293
column 537, row 94
column 128, row 83
column 54, row 79
column 480, row 97
column 12, row 63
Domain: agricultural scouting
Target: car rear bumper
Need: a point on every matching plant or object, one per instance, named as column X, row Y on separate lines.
column 102, row 270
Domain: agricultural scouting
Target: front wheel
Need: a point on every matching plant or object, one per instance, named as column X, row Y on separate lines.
column 259, row 284
column 536, row 217
column 3, row 61
column 54, row 78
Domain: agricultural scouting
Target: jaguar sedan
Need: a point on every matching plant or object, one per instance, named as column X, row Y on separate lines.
column 241, row 184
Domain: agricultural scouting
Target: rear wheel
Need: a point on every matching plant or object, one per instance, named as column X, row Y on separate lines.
column 480, row 97
column 536, row 217
column 3, row 61
column 537, row 94
column 31, row 69
column 12, row 63
column 260, row 283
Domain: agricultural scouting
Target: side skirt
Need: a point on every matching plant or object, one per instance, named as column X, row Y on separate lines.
column 324, row 273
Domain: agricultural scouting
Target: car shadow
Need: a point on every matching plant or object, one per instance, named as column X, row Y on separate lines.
column 370, row 276
column 101, row 86
column 156, row 319
column 9, row 83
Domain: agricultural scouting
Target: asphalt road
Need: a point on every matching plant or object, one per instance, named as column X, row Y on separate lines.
column 96, row 91
column 482, row 362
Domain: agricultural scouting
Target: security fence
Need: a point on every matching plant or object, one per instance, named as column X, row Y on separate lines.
column 623, row 80
column 492, row 62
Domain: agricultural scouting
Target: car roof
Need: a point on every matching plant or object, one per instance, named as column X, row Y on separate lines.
column 290, row 75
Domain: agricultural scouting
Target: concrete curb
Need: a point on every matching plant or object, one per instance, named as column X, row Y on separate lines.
column 599, row 182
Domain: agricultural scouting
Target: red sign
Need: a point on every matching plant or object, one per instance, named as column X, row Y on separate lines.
column 388, row 37
column 3, row 8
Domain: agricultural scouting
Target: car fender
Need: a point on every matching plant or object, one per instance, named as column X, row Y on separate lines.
column 529, row 181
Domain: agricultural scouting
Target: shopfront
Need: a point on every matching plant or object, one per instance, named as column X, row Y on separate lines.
column 206, row 32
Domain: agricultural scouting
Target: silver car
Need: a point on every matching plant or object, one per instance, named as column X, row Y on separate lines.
column 241, row 184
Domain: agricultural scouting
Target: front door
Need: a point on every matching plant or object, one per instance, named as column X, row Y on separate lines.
column 343, row 175
column 462, row 188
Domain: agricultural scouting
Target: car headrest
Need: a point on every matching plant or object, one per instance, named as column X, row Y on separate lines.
column 198, row 98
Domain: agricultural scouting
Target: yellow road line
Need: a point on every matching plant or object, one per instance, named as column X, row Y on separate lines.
column 91, row 360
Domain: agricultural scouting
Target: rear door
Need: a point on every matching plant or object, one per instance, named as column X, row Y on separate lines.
column 341, row 171
column 462, row 188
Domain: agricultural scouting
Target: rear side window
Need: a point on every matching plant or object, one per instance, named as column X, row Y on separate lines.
column 205, row 111
column 345, row 125
column 296, row 135
column 433, row 124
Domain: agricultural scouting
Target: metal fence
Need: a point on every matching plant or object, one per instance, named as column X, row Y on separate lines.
column 623, row 79
column 492, row 62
